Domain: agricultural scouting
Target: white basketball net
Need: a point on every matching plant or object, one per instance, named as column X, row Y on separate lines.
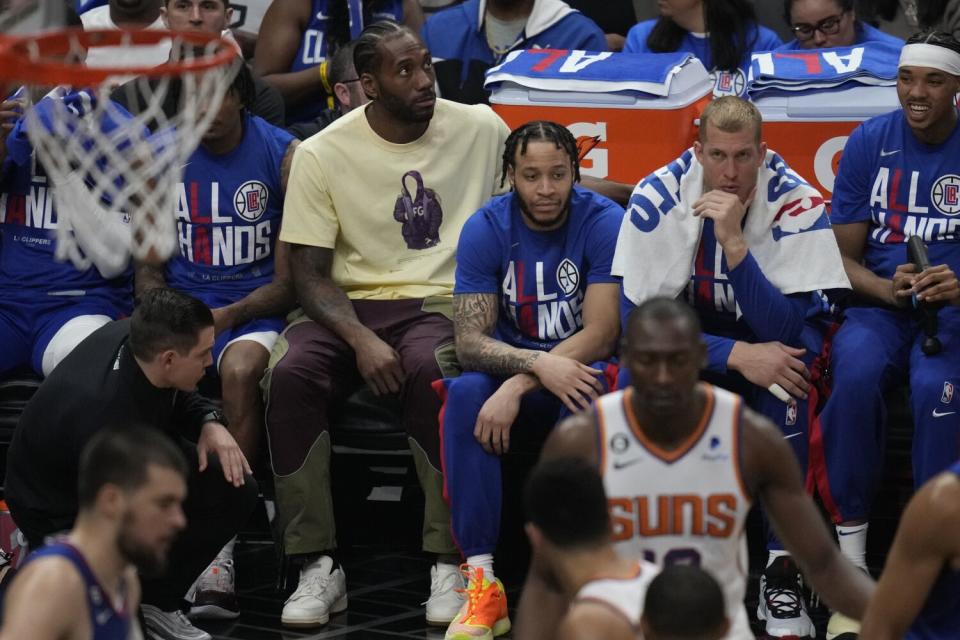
column 115, row 171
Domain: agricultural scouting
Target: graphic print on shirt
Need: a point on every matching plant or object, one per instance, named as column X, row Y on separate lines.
column 420, row 213
column 548, row 307
column 224, row 239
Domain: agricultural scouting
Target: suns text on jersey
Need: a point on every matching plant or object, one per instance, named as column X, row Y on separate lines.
column 712, row 515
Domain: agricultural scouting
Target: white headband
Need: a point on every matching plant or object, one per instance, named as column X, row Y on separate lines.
column 930, row 55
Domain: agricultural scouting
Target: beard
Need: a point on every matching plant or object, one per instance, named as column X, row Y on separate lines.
column 150, row 562
column 554, row 222
column 403, row 111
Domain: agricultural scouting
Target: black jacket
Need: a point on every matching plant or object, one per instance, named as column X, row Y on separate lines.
column 98, row 385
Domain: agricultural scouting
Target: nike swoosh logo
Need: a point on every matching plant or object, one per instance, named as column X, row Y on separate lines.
column 848, row 533
column 937, row 414
column 792, row 435
column 884, row 154
column 617, row 464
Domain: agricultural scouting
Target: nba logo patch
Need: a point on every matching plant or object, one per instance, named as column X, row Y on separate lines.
column 250, row 200
column 791, row 418
column 947, row 393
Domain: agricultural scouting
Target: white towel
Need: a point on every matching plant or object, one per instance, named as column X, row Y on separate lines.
column 786, row 229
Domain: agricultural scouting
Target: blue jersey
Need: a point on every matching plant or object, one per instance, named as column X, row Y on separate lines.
column 228, row 216
column 712, row 292
column 866, row 34
column 940, row 617
column 759, row 38
column 540, row 276
column 28, row 222
column 108, row 622
column 315, row 42
column 902, row 187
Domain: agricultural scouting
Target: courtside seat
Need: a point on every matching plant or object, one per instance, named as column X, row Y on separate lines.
column 16, row 390
column 366, row 423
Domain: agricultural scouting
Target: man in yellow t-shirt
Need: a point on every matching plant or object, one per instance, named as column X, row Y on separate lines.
column 373, row 213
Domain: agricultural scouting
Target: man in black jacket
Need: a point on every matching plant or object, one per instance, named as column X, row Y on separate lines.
column 138, row 371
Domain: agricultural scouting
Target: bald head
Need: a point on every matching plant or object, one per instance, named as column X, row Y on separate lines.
column 651, row 317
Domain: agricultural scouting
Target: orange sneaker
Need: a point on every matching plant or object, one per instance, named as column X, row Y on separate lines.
column 484, row 615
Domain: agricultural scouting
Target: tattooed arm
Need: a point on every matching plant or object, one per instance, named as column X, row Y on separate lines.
column 474, row 318
column 326, row 304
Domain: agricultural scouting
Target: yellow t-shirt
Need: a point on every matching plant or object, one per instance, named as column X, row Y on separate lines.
column 392, row 213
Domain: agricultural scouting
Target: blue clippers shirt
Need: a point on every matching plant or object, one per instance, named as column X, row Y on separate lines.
column 866, row 34
column 759, row 38
column 315, row 45
column 902, row 187
column 940, row 617
column 540, row 276
column 28, row 222
column 107, row 622
column 228, row 216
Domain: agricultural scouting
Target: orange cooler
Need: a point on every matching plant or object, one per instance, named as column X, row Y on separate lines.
column 638, row 132
column 810, row 131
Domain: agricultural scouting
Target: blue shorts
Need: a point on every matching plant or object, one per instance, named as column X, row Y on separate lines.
column 263, row 331
column 28, row 323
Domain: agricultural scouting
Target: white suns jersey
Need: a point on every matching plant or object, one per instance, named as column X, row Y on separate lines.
column 624, row 595
column 686, row 506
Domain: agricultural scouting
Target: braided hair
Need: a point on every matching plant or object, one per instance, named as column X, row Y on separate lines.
column 537, row 131
column 938, row 38
column 366, row 52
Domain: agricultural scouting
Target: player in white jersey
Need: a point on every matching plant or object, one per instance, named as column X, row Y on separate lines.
column 682, row 462
column 569, row 529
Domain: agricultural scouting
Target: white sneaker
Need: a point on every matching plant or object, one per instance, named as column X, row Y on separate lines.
column 214, row 593
column 445, row 599
column 169, row 625
column 781, row 604
column 322, row 590
column 840, row 627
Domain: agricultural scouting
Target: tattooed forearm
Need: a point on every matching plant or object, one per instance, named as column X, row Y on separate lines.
column 474, row 318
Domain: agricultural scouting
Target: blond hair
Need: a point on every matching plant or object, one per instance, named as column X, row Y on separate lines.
column 730, row 114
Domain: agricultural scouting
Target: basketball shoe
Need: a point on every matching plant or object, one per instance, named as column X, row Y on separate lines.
column 214, row 594
column 782, row 605
column 169, row 625
column 484, row 615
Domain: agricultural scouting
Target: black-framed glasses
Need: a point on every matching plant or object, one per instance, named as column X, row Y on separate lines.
column 828, row 26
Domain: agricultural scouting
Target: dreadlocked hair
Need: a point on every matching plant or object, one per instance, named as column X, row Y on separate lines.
column 537, row 131
column 366, row 53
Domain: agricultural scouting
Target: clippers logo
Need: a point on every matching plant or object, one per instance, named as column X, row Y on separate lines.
column 729, row 84
column 801, row 215
column 250, row 200
column 568, row 277
column 791, row 418
column 947, row 395
column 945, row 195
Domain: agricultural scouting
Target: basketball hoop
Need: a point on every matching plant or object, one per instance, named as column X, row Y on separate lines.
column 114, row 140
